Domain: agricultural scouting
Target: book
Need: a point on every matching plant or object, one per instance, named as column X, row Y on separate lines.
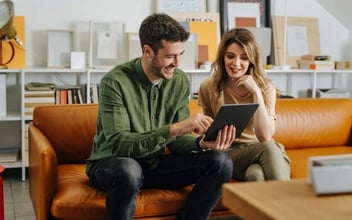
column 39, row 93
column 8, row 155
column 35, row 86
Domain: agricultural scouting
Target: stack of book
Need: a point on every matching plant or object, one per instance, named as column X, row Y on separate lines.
column 34, row 98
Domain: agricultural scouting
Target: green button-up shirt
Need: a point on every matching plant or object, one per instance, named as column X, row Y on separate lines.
column 135, row 115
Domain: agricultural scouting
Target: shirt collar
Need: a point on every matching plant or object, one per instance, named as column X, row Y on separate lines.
column 146, row 84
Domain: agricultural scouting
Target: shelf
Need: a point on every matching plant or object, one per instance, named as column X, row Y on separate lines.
column 312, row 73
column 12, row 164
column 11, row 117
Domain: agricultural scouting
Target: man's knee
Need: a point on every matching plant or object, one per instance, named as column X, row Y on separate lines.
column 128, row 173
column 223, row 163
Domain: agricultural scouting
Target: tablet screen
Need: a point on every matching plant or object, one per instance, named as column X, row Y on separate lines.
column 236, row 114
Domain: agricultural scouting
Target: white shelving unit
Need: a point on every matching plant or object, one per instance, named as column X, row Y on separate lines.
column 9, row 123
column 81, row 76
column 313, row 74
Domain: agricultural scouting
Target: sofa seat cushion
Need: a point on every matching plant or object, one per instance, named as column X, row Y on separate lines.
column 299, row 157
column 75, row 198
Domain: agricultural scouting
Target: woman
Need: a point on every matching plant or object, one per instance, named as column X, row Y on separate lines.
column 238, row 77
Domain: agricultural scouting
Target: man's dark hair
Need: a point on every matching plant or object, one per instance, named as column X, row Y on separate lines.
column 158, row 27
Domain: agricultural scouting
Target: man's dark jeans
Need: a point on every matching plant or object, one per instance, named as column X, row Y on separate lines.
column 122, row 178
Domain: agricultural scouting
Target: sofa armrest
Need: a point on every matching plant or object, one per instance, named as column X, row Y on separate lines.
column 42, row 172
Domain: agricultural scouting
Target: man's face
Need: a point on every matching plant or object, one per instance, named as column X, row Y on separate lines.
column 163, row 64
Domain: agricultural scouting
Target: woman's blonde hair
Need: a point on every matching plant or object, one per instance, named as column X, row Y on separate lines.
column 247, row 41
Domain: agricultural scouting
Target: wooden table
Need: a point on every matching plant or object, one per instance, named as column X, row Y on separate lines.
column 281, row 200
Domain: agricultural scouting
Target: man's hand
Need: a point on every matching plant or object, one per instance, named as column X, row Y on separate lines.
column 224, row 139
column 197, row 123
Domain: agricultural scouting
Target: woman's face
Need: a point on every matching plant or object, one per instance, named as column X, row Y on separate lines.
column 236, row 61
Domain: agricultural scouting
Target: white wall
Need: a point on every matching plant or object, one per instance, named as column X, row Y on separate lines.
column 42, row 15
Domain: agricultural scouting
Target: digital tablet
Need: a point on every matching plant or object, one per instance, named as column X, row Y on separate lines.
column 235, row 114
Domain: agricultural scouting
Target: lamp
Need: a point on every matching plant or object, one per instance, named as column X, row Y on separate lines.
column 7, row 30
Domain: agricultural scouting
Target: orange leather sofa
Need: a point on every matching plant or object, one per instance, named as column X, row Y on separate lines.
column 60, row 139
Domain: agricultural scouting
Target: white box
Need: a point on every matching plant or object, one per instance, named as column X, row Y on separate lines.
column 329, row 93
column 78, row 60
column 330, row 174
column 3, row 101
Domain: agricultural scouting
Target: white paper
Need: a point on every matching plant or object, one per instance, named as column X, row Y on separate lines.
column 244, row 10
column 107, row 44
column 297, row 40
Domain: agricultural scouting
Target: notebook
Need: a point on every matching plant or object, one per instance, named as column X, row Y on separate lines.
column 237, row 114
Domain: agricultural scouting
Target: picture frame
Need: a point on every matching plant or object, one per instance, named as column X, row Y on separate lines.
column 227, row 23
column 180, row 5
column 59, row 47
column 106, row 44
column 303, row 38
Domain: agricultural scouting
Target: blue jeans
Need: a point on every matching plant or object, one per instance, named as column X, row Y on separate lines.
column 122, row 178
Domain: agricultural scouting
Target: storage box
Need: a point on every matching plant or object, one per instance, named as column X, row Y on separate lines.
column 331, row 174
column 316, row 64
column 344, row 65
column 329, row 93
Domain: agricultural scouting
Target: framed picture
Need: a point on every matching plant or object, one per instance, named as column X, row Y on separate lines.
column 60, row 45
column 107, row 44
column 244, row 13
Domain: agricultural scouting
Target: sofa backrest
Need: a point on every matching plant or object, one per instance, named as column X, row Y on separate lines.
column 300, row 123
column 307, row 122
column 69, row 128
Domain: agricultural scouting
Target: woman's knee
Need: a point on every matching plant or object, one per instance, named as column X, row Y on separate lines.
column 254, row 172
column 271, row 149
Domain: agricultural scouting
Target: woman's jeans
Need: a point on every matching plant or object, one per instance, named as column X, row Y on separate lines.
column 122, row 178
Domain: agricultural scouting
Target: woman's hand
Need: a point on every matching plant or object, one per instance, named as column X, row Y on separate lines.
column 226, row 136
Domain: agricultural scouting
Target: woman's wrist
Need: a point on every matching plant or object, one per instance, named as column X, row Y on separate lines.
column 198, row 142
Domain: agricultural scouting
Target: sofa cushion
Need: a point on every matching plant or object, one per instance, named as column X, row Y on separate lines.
column 76, row 197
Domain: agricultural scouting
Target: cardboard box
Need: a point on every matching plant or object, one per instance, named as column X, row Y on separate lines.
column 329, row 93
column 344, row 65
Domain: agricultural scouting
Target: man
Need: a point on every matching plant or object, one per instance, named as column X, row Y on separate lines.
column 143, row 107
